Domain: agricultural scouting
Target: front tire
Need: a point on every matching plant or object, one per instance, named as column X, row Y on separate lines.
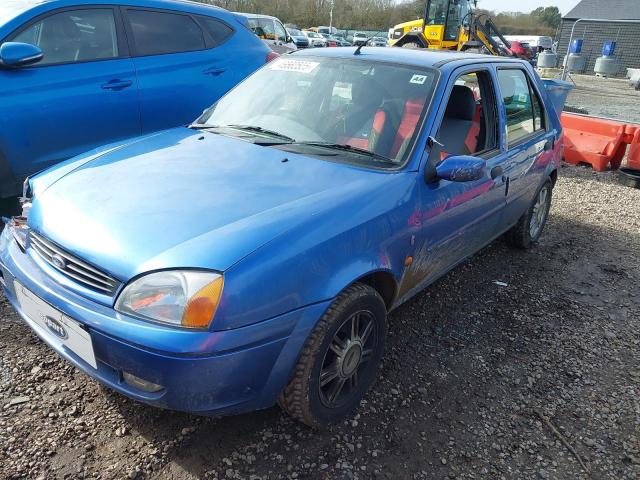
column 340, row 359
column 526, row 233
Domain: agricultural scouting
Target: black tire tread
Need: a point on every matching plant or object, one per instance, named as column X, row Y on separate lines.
column 518, row 236
column 294, row 398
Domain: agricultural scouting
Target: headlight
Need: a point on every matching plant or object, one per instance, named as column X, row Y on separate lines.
column 186, row 298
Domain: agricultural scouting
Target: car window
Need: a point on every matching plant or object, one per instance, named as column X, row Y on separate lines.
column 156, row 33
column 538, row 111
column 218, row 31
column 74, row 36
column 373, row 107
column 267, row 28
column 523, row 108
column 281, row 33
column 467, row 126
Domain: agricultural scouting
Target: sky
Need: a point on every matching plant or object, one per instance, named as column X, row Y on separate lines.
column 526, row 6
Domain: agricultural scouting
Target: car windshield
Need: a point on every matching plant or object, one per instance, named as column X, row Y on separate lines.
column 294, row 32
column 313, row 35
column 356, row 108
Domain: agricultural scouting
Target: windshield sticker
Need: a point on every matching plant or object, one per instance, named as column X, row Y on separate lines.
column 301, row 66
column 418, row 79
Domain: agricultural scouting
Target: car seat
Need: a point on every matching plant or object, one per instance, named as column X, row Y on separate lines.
column 60, row 41
column 461, row 123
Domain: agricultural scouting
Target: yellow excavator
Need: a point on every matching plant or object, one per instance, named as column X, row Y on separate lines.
column 452, row 25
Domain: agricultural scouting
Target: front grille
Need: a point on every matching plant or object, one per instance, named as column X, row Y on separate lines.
column 72, row 266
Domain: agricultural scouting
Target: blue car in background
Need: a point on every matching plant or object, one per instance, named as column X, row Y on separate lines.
column 77, row 74
column 253, row 256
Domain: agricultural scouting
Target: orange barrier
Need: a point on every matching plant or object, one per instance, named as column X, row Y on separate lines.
column 633, row 160
column 598, row 141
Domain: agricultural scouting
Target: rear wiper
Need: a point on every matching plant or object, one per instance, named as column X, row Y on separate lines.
column 348, row 148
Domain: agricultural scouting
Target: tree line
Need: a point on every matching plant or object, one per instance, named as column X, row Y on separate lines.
column 380, row 14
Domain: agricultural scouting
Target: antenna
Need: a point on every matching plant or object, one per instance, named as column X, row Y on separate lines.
column 357, row 52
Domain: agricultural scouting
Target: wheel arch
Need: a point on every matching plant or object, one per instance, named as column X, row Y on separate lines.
column 383, row 282
column 412, row 37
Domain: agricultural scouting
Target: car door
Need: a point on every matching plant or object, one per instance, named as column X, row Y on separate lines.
column 179, row 69
column 455, row 219
column 284, row 43
column 82, row 94
column 528, row 141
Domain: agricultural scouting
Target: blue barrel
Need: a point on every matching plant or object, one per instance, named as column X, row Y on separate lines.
column 576, row 45
column 558, row 91
column 608, row 49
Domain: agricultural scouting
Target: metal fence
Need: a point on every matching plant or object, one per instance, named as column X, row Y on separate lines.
column 594, row 33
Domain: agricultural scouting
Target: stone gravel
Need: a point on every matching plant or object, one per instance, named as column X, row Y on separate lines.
column 517, row 364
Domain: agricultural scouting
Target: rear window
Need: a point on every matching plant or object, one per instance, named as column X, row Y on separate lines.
column 156, row 33
column 218, row 31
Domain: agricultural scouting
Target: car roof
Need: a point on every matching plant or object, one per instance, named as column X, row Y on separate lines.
column 408, row 56
column 255, row 15
column 16, row 7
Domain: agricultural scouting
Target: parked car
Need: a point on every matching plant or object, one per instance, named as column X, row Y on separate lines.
column 340, row 40
column 327, row 30
column 377, row 42
column 330, row 41
column 75, row 75
column 251, row 257
column 299, row 38
column 360, row 38
column 271, row 31
column 315, row 39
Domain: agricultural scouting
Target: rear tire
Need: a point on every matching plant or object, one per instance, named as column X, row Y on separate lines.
column 340, row 359
column 526, row 233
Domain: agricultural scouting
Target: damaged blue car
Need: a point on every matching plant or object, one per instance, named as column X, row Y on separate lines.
column 252, row 257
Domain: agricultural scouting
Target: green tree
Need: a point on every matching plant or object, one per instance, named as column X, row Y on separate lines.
column 549, row 16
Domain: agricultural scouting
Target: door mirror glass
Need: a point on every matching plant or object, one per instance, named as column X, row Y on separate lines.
column 16, row 55
column 461, row 168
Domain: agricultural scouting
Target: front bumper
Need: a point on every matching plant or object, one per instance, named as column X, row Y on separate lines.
column 222, row 372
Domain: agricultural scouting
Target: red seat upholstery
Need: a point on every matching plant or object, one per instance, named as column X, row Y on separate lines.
column 410, row 117
column 379, row 121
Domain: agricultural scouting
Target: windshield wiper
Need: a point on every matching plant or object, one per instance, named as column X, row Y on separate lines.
column 348, row 148
column 244, row 128
column 257, row 129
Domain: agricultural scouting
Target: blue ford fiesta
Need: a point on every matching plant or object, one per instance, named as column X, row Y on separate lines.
column 77, row 74
column 252, row 257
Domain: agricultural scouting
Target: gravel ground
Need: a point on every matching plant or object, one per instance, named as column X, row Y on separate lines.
column 605, row 97
column 535, row 379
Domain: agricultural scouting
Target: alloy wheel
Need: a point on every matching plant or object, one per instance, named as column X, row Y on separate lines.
column 347, row 360
column 539, row 213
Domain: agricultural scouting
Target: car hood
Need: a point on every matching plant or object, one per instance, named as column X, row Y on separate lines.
column 184, row 198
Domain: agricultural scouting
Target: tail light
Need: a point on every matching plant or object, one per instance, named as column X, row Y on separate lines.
column 271, row 56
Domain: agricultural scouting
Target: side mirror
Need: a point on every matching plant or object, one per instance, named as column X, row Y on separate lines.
column 16, row 55
column 461, row 168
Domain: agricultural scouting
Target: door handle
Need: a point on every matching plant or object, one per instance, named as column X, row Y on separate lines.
column 496, row 172
column 116, row 85
column 214, row 71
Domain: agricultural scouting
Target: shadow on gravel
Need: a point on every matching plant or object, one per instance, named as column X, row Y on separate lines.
column 467, row 361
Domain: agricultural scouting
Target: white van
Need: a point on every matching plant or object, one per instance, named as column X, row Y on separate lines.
column 271, row 31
